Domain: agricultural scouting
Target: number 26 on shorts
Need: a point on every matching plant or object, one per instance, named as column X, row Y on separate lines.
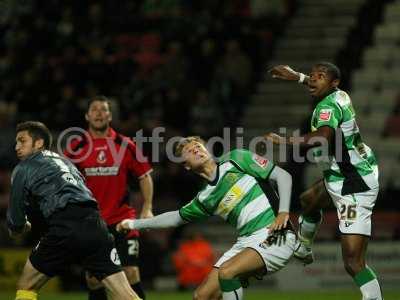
column 348, row 212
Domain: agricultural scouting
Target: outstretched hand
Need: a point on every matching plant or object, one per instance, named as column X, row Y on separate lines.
column 284, row 72
column 123, row 226
column 275, row 138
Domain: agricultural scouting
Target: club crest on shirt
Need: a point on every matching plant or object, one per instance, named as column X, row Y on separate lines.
column 325, row 114
column 101, row 157
column 261, row 161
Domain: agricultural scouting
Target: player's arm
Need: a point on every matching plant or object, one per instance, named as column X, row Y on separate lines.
column 165, row 220
column 16, row 216
column 193, row 211
column 285, row 72
column 146, row 189
column 312, row 139
column 139, row 166
column 284, row 183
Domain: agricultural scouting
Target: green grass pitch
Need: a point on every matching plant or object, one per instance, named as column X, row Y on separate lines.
column 250, row 295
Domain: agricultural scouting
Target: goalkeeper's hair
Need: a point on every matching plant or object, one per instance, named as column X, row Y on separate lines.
column 36, row 130
column 100, row 98
column 187, row 140
column 332, row 70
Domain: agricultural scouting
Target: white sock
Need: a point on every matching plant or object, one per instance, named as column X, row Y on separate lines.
column 234, row 295
column 371, row 290
column 308, row 230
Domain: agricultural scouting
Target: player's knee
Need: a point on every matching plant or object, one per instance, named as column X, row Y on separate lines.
column 133, row 275
column 353, row 264
column 201, row 294
column 305, row 200
column 226, row 272
column 26, row 285
column 93, row 283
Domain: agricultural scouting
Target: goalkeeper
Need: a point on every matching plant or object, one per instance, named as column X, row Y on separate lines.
column 234, row 194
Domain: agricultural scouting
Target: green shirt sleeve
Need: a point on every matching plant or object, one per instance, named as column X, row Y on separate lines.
column 252, row 164
column 327, row 114
column 194, row 211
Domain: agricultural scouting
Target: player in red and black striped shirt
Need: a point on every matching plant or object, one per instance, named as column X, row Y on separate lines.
column 107, row 159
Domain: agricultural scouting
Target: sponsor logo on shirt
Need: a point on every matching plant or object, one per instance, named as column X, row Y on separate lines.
column 325, row 114
column 102, row 171
column 114, row 257
column 229, row 201
column 261, row 161
column 101, row 157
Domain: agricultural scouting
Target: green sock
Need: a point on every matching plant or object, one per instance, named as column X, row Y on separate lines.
column 364, row 276
column 229, row 285
column 369, row 284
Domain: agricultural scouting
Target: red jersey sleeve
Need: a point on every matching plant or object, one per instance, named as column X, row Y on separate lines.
column 138, row 164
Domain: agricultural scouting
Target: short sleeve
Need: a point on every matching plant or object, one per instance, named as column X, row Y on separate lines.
column 327, row 115
column 138, row 164
column 194, row 211
column 252, row 164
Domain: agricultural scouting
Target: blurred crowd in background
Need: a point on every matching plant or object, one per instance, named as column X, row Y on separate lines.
column 189, row 66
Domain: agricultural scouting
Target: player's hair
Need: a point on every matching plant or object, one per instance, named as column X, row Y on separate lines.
column 187, row 140
column 100, row 98
column 332, row 70
column 37, row 130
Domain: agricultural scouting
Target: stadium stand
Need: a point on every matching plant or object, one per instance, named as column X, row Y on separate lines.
column 194, row 66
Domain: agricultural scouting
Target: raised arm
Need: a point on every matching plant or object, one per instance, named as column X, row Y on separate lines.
column 285, row 72
column 324, row 134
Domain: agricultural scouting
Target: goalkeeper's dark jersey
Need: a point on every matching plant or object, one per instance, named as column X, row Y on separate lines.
column 44, row 183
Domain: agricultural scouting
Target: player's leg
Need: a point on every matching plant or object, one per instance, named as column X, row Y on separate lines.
column 355, row 212
column 128, row 251
column 209, row 288
column 118, row 287
column 247, row 261
column 96, row 288
column 30, row 282
column 95, row 248
column 312, row 202
column 354, row 248
column 133, row 275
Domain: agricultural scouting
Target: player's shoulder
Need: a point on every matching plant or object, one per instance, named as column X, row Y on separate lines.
column 24, row 166
column 240, row 157
column 235, row 155
column 335, row 100
column 120, row 139
column 341, row 98
column 76, row 144
column 18, row 170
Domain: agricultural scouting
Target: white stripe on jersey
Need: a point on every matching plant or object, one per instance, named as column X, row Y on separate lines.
column 349, row 127
column 252, row 209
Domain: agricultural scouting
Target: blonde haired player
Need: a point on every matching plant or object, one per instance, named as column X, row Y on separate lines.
column 265, row 242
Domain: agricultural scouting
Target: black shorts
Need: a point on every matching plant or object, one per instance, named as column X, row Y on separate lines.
column 127, row 247
column 77, row 235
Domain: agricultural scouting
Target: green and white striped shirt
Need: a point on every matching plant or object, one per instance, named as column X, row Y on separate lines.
column 235, row 194
column 352, row 166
